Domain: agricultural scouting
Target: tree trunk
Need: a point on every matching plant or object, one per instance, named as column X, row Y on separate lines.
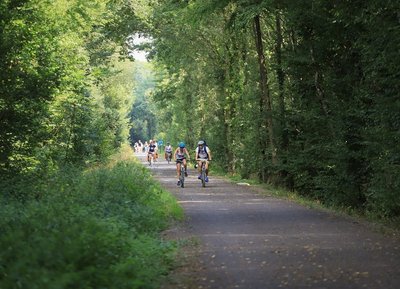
column 284, row 138
column 266, row 121
column 320, row 92
column 281, row 81
column 228, row 114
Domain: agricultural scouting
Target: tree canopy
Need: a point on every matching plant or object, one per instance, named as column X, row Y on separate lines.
column 62, row 98
column 300, row 94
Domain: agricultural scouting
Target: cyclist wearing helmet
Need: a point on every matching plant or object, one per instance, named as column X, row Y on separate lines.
column 203, row 153
column 168, row 151
column 180, row 158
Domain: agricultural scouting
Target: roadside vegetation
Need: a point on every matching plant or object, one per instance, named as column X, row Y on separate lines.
column 296, row 95
column 389, row 226
column 302, row 95
column 98, row 228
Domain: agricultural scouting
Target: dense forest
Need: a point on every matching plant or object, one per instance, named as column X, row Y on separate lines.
column 303, row 95
column 76, row 209
column 300, row 94
column 65, row 91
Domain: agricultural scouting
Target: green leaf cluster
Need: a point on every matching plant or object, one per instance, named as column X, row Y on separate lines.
column 301, row 94
column 97, row 229
column 64, row 93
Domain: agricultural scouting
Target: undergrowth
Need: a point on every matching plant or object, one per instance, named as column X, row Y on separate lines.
column 93, row 229
column 384, row 225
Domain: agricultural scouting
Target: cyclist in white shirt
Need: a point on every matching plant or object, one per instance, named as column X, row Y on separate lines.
column 203, row 153
column 168, row 151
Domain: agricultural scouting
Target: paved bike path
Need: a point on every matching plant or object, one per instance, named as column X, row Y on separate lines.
column 252, row 241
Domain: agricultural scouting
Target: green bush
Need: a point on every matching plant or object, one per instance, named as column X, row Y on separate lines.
column 93, row 230
column 384, row 197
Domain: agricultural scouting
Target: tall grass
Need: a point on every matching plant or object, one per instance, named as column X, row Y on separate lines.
column 93, row 229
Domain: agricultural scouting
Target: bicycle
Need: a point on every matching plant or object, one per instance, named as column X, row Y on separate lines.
column 182, row 174
column 169, row 157
column 203, row 173
column 151, row 161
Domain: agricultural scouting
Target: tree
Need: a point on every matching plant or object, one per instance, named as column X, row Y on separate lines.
column 55, row 57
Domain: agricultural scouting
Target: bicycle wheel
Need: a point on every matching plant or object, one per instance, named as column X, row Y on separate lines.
column 203, row 176
column 182, row 176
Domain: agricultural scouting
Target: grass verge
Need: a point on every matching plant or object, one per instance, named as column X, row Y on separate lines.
column 377, row 223
column 94, row 229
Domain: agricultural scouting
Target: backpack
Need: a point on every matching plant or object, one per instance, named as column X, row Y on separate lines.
column 205, row 148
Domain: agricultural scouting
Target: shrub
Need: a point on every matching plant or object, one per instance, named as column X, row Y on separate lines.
column 94, row 230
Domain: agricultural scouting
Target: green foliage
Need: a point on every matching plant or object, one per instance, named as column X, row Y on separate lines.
column 381, row 104
column 117, row 195
column 98, row 229
column 29, row 75
column 143, row 113
column 62, row 99
column 332, row 71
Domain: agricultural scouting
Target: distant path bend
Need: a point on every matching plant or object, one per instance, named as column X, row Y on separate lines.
column 251, row 241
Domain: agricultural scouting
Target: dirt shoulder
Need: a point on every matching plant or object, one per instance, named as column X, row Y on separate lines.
column 235, row 237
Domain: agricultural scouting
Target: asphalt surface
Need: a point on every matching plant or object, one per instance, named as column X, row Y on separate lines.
column 239, row 238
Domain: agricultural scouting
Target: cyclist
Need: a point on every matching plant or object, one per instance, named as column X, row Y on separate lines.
column 156, row 150
column 151, row 151
column 168, row 151
column 203, row 153
column 180, row 158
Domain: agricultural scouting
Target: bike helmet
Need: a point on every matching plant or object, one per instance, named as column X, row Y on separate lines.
column 181, row 145
column 200, row 143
